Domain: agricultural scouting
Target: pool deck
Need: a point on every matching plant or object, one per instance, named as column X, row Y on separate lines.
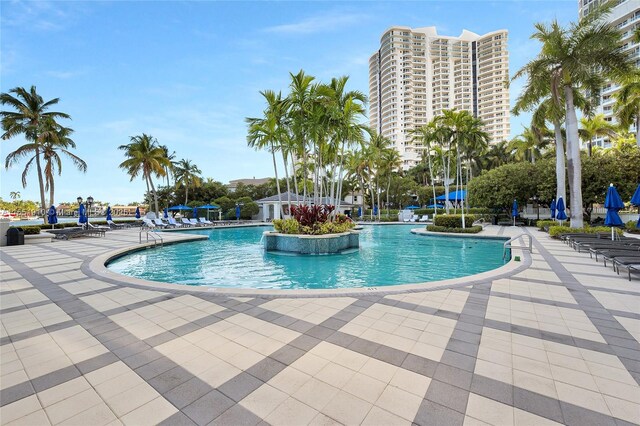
column 553, row 339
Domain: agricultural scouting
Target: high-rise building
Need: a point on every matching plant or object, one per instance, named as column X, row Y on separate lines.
column 416, row 74
column 626, row 17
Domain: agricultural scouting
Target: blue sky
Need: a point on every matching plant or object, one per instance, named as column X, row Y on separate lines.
column 188, row 73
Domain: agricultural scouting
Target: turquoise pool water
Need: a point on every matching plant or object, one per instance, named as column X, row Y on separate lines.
column 389, row 255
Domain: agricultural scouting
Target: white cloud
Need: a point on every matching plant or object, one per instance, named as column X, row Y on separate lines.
column 320, row 23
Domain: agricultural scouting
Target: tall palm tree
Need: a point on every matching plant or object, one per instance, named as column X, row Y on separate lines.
column 427, row 135
column 169, row 169
column 146, row 157
column 30, row 111
column 527, row 146
column 57, row 140
column 187, row 174
column 580, row 56
column 593, row 127
column 268, row 132
column 390, row 163
column 14, row 195
column 627, row 106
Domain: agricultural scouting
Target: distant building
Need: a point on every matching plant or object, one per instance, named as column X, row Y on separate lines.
column 417, row 73
column 626, row 17
column 233, row 184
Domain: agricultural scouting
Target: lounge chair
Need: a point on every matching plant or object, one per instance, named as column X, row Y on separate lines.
column 631, row 263
column 414, row 218
column 205, row 221
column 186, row 222
column 173, row 223
column 604, row 250
column 424, row 218
column 613, row 255
column 68, row 233
column 147, row 223
column 114, row 225
column 159, row 223
column 194, row 222
column 102, row 227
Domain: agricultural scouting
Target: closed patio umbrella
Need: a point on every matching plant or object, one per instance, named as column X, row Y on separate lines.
column 635, row 200
column 109, row 213
column 552, row 207
column 52, row 216
column 166, row 213
column 613, row 203
column 82, row 214
column 194, row 213
column 560, row 213
column 137, row 212
column 514, row 211
column 237, row 212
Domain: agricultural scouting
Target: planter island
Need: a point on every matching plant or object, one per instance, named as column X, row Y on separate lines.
column 311, row 244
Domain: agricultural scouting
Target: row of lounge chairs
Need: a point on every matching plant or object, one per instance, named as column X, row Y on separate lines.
column 68, row 233
column 416, row 218
column 172, row 223
column 623, row 252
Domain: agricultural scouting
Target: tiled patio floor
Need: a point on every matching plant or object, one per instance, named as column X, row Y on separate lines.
column 556, row 342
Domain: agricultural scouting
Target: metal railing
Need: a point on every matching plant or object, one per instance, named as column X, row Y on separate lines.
column 154, row 237
column 508, row 244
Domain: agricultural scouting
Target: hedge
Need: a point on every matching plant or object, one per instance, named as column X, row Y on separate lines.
column 31, row 230
column 471, row 230
column 631, row 227
column 556, row 231
column 454, row 220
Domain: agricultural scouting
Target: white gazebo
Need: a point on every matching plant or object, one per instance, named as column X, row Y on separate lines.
column 270, row 206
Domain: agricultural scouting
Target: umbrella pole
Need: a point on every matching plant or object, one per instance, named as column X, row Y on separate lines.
column 612, row 238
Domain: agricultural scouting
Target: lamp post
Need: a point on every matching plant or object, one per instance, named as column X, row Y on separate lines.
column 87, row 205
column 535, row 200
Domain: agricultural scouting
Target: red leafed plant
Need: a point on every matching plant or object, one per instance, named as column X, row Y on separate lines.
column 312, row 215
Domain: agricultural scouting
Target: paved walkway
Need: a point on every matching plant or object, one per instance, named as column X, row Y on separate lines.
column 556, row 342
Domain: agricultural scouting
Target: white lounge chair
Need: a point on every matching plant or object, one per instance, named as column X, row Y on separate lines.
column 100, row 227
column 114, row 225
column 173, row 223
column 205, row 221
column 159, row 223
column 186, row 222
column 147, row 223
column 194, row 222
column 424, row 218
column 414, row 218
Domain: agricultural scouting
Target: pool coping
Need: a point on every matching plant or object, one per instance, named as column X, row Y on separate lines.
column 97, row 268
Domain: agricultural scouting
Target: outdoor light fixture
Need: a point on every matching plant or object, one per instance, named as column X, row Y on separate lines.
column 87, row 205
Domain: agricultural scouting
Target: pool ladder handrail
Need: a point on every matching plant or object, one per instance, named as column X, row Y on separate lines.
column 508, row 244
column 154, row 236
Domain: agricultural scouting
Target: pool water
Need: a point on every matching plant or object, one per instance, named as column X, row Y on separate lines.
column 389, row 255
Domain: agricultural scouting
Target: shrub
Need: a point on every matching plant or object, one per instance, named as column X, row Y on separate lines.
column 311, row 215
column 286, row 226
column 631, row 227
column 470, row 230
column 31, row 230
column 454, row 220
column 547, row 223
column 556, row 231
column 291, row 226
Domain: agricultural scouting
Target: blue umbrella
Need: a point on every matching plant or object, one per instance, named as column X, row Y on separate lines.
column 412, row 207
column 435, row 206
column 194, row 213
column 514, row 211
column 209, row 207
column 635, row 200
column 137, row 212
column 560, row 213
column 166, row 213
column 553, row 208
column 238, row 212
column 375, row 210
column 613, row 203
column 359, row 211
column 52, row 216
column 82, row 214
column 109, row 213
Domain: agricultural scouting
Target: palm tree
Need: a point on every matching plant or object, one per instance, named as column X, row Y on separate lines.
column 627, row 106
column 57, row 140
column 527, row 146
column 269, row 131
column 169, row 169
column 496, row 156
column 593, row 127
column 146, row 157
column 427, row 135
column 30, row 111
column 187, row 174
column 14, row 195
column 390, row 163
column 578, row 57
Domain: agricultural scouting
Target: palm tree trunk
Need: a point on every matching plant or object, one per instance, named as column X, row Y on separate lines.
column 340, row 178
column 155, row 196
column 295, row 175
column 51, row 192
column 41, row 183
column 286, row 173
column 186, row 194
column 275, row 169
column 388, row 189
column 378, row 197
column 447, row 168
column 461, row 198
column 573, row 160
column 638, row 128
column 433, row 185
column 560, row 166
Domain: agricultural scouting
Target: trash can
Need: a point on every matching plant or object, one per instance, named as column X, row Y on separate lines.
column 495, row 219
column 15, row 237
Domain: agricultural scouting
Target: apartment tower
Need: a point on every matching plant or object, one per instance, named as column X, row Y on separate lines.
column 626, row 17
column 417, row 74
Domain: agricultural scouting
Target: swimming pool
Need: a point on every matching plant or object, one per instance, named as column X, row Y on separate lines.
column 389, row 255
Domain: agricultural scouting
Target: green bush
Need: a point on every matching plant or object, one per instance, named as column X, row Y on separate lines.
column 470, row 230
column 556, row 231
column 31, row 230
column 291, row 226
column 454, row 220
column 547, row 223
column 631, row 227
column 286, row 226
